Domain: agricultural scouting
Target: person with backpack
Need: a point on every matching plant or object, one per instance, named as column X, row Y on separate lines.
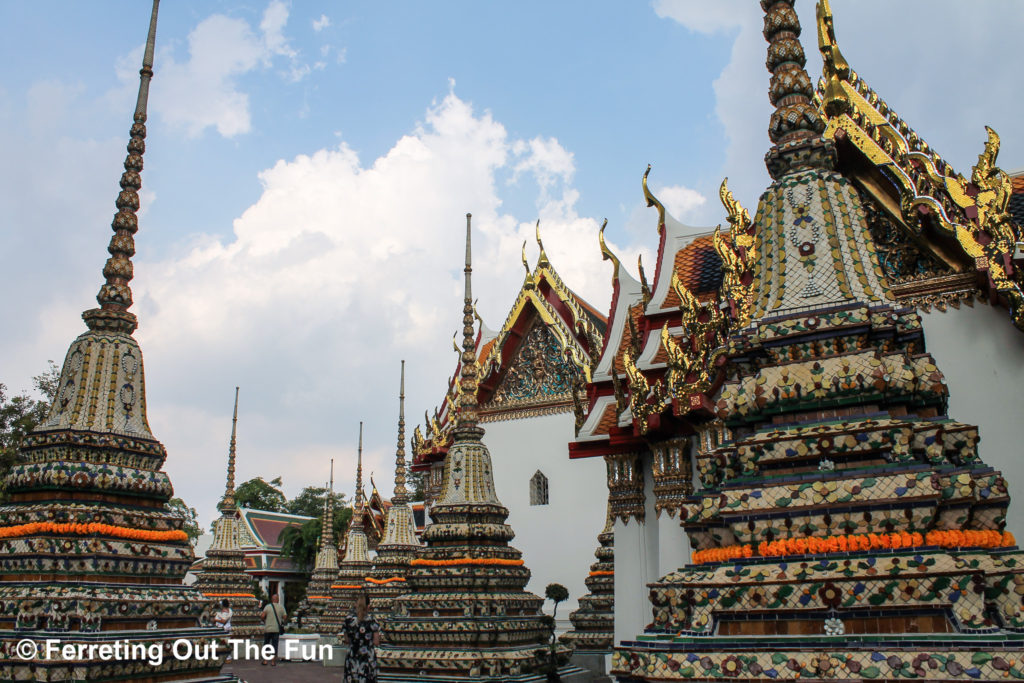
column 274, row 617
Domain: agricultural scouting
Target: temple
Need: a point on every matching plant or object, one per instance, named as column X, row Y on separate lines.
column 350, row 579
column 325, row 567
column 844, row 525
column 89, row 550
column 467, row 615
column 399, row 545
column 532, row 374
column 223, row 575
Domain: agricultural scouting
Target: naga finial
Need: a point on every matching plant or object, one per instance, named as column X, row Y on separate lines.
column 526, row 264
column 606, row 253
column 542, row 258
column 739, row 218
column 653, row 201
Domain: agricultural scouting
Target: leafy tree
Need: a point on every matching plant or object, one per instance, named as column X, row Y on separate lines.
column 299, row 544
column 20, row 414
column 191, row 526
column 261, row 495
column 557, row 593
column 310, row 502
column 415, row 481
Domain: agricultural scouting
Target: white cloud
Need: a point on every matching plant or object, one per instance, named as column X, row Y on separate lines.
column 320, row 24
column 679, row 200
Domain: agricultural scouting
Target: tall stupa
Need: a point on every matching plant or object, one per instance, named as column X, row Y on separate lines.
column 593, row 623
column 399, row 545
column 467, row 615
column 325, row 569
column 89, row 551
column 846, row 528
column 350, row 579
column 223, row 576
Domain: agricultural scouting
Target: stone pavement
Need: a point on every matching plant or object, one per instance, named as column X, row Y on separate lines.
column 251, row 671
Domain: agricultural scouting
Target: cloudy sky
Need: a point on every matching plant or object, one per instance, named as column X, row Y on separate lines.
column 308, row 167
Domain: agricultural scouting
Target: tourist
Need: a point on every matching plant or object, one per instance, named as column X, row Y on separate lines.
column 222, row 617
column 273, row 620
column 363, row 636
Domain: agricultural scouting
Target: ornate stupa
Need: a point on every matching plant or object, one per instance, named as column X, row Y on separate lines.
column 223, row 575
column 846, row 528
column 467, row 614
column 89, row 551
column 399, row 545
column 593, row 624
column 355, row 566
column 325, row 569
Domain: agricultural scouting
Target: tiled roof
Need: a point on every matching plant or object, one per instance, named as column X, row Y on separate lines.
column 266, row 527
column 1017, row 199
column 699, row 268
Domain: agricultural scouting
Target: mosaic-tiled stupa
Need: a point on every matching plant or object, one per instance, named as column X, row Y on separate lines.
column 350, row 579
column 325, row 567
column 89, row 551
column 593, row 623
column 467, row 615
column 846, row 528
column 399, row 545
column 223, row 575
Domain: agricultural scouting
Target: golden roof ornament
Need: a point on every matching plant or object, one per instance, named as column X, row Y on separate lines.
column 653, row 201
column 542, row 258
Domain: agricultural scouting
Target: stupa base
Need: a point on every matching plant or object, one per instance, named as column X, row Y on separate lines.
column 936, row 657
column 567, row 674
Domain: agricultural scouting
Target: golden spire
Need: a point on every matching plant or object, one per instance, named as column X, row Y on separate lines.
column 542, row 258
column 465, row 416
column 401, row 496
column 227, row 504
column 115, row 296
column 327, row 523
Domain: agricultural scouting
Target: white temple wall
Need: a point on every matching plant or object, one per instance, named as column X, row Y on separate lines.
column 636, row 565
column 981, row 354
column 673, row 545
column 558, row 540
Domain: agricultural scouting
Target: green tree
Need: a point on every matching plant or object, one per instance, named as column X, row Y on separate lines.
column 415, row 481
column 20, row 414
column 299, row 543
column 261, row 495
column 310, row 502
column 191, row 526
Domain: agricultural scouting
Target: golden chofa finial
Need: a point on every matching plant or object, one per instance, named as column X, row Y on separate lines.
column 834, row 68
column 542, row 258
column 653, row 201
column 606, row 253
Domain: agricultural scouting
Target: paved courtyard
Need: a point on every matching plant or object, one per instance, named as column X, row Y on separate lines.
column 251, row 671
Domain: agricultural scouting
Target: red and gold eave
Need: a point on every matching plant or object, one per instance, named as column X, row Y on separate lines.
column 663, row 359
column 577, row 325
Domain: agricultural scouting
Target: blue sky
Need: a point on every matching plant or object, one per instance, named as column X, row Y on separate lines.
column 308, row 165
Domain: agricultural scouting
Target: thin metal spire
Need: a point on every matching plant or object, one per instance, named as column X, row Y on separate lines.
column 228, row 503
column 401, row 496
column 357, row 507
column 115, row 296
column 327, row 524
column 466, row 415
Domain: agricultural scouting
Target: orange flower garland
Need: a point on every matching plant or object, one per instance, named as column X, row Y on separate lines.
column 89, row 529
column 380, row 582
column 602, row 573
column 345, row 586
column 466, row 561
column 320, row 597
column 228, row 595
column 967, row 538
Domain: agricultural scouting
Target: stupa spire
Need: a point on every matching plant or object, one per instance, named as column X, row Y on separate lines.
column 227, row 505
column 115, row 296
column 465, row 417
column 796, row 120
column 359, row 501
column 401, row 496
column 326, row 527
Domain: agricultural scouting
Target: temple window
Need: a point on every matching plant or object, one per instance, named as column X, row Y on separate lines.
column 538, row 489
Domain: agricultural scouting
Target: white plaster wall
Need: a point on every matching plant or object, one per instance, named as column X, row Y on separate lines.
column 558, row 540
column 636, row 565
column 981, row 354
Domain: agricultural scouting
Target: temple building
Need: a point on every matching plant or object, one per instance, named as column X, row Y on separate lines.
column 325, row 567
column 223, row 575
column 355, row 566
column 467, row 615
column 532, row 372
column 89, row 551
column 838, row 521
column 399, row 545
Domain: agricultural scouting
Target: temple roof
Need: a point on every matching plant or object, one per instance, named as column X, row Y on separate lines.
column 265, row 528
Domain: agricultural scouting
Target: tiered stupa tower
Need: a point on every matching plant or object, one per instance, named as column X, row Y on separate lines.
column 399, row 545
column 351, row 577
column 223, row 576
column 593, row 624
column 325, row 569
column 467, row 614
column 89, row 551
column 846, row 528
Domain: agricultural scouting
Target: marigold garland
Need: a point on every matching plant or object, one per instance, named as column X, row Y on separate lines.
column 602, row 573
column 967, row 538
column 383, row 581
column 320, row 597
column 345, row 586
column 466, row 561
column 228, row 595
column 90, row 528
